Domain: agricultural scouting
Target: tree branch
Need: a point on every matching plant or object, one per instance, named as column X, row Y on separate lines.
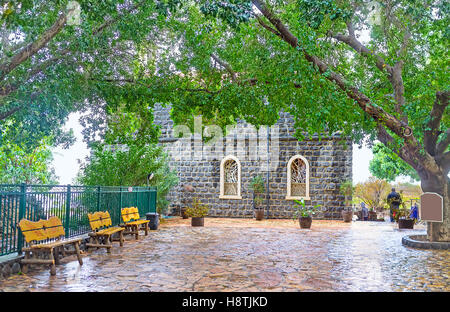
column 10, row 112
column 226, row 66
column 394, row 73
column 444, row 143
column 377, row 113
column 432, row 133
column 411, row 149
column 261, row 22
column 362, row 49
column 31, row 49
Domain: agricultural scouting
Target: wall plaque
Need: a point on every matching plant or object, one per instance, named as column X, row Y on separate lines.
column 431, row 207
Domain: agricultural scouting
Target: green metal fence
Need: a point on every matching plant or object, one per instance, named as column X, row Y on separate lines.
column 70, row 203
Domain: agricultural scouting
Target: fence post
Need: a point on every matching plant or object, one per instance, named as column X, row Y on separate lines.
column 67, row 210
column 137, row 198
column 98, row 197
column 152, row 203
column 120, row 198
column 22, row 208
column 149, row 196
column 156, row 197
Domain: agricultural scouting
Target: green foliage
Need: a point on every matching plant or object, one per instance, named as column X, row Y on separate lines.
column 347, row 189
column 258, row 188
column 257, row 184
column 302, row 211
column 258, row 75
column 80, row 67
column 21, row 165
column 197, row 210
column 388, row 166
column 402, row 212
column 130, row 166
column 315, row 12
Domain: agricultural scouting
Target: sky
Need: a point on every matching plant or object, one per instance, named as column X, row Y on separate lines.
column 66, row 161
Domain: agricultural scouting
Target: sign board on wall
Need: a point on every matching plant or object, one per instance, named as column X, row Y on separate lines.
column 431, row 207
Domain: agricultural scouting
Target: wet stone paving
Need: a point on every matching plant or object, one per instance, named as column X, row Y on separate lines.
column 251, row 256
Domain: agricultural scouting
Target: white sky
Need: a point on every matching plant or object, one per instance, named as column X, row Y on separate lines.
column 66, row 162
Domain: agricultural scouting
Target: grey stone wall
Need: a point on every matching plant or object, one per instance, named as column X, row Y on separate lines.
column 330, row 161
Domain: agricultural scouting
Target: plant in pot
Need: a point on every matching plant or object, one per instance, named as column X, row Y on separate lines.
column 304, row 214
column 257, row 186
column 402, row 217
column 197, row 212
column 347, row 189
column 372, row 214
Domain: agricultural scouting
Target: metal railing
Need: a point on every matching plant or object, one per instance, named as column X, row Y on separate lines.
column 71, row 203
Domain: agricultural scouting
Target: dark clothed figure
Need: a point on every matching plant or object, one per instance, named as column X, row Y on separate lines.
column 364, row 212
column 414, row 212
column 394, row 202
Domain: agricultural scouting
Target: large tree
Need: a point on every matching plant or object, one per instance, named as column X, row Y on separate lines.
column 251, row 59
column 248, row 59
column 388, row 166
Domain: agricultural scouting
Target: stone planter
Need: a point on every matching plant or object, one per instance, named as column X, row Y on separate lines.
column 406, row 224
column 197, row 221
column 305, row 222
column 347, row 216
column 259, row 214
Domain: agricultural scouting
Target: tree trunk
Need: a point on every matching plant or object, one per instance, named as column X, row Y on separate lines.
column 440, row 184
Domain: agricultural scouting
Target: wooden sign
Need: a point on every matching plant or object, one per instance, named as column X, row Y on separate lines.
column 431, row 207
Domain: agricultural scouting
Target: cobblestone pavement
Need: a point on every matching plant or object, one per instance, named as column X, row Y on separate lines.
column 250, row 255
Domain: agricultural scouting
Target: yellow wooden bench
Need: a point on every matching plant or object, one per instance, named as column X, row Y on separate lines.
column 132, row 221
column 102, row 228
column 45, row 239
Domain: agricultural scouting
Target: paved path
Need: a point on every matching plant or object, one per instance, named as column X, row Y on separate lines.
column 249, row 255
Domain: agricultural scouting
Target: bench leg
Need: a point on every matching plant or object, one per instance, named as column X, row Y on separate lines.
column 135, row 230
column 108, row 241
column 25, row 265
column 121, row 238
column 146, row 229
column 77, row 249
column 56, row 255
column 53, row 265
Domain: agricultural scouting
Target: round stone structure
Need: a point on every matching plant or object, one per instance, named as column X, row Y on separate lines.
column 420, row 241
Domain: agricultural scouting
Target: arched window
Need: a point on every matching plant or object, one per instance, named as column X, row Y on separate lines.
column 298, row 178
column 230, row 178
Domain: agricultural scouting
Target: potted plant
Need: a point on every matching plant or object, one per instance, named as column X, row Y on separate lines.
column 304, row 214
column 257, row 186
column 402, row 217
column 372, row 214
column 197, row 212
column 347, row 190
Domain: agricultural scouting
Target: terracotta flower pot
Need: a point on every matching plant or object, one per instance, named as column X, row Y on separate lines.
column 305, row 222
column 406, row 224
column 347, row 216
column 197, row 221
column 259, row 214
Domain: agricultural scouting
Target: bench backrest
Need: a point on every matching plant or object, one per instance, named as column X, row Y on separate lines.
column 130, row 214
column 42, row 229
column 99, row 220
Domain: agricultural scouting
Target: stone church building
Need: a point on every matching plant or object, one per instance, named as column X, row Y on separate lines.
column 220, row 169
